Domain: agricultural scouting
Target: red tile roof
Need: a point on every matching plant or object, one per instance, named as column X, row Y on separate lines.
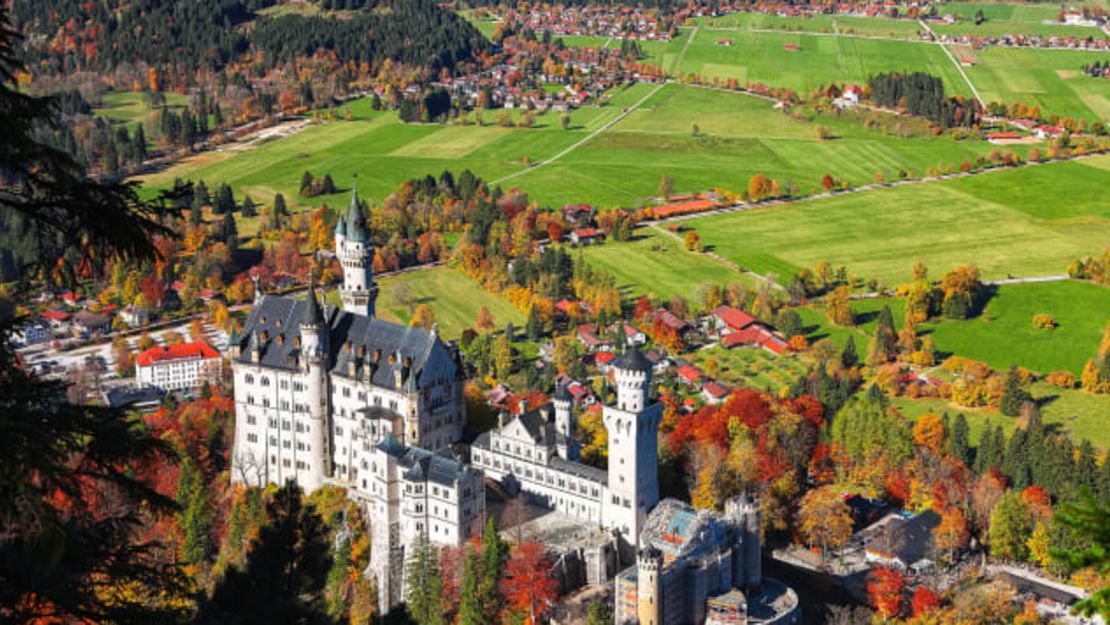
column 605, row 358
column 689, row 373
column 588, row 233
column 671, row 320
column 734, row 317
column 55, row 315
column 198, row 349
column 715, row 390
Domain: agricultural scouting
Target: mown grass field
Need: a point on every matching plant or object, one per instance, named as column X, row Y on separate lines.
column 1004, row 334
column 385, row 152
column 1031, row 19
column 455, row 299
column 837, row 24
column 761, row 57
column 656, row 263
column 1050, row 79
column 740, row 136
column 977, row 219
column 1079, row 414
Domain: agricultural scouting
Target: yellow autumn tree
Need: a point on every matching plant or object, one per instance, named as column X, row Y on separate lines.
column 824, row 519
column 929, row 432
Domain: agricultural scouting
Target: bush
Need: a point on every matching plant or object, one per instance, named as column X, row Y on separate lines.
column 1061, row 379
column 1043, row 321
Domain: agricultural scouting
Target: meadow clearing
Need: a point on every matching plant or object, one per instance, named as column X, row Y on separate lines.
column 1079, row 308
column 751, row 368
column 839, row 24
column 975, row 219
column 130, row 107
column 454, row 297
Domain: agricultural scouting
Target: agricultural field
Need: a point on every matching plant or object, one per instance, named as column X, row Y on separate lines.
column 975, row 219
column 386, row 152
column 738, row 136
column 1079, row 414
column 1026, row 19
column 765, row 57
column 657, row 263
column 454, row 297
column 1050, row 79
column 834, row 24
column 751, row 368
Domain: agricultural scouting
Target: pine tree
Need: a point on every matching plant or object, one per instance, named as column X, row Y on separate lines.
column 984, row 453
column 1090, row 519
column 1013, row 396
column 960, row 443
column 848, row 356
column 279, row 205
column 424, row 586
column 494, row 553
column 998, row 448
column 471, row 611
column 195, row 518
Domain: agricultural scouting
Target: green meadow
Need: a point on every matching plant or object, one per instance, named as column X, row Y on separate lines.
column 763, row 57
column 1080, row 309
column 1079, row 414
column 454, row 297
column 129, row 107
column 654, row 263
column 739, row 136
column 753, row 368
column 1030, row 19
column 1050, row 79
column 835, row 24
column 975, row 219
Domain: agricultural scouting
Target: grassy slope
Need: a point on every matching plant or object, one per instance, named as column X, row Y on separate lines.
column 128, row 107
column 654, row 263
column 454, row 298
column 1005, row 335
column 841, row 24
column 1081, row 415
column 977, row 219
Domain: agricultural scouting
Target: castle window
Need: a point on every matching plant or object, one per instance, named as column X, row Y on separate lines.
column 285, row 462
column 273, row 459
column 252, row 438
column 346, row 391
column 362, row 395
column 300, row 446
column 265, row 402
column 265, row 381
column 286, row 444
column 249, row 379
column 251, row 420
column 338, row 431
column 284, row 384
column 285, row 424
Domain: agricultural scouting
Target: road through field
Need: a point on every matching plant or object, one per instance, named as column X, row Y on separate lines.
column 959, row 67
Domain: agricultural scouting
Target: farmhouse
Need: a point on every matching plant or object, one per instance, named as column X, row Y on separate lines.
column 587, row 335
column 713, row 392
column 88, row 323
column 791, row 47
column 586, row 236
column 1003, row 138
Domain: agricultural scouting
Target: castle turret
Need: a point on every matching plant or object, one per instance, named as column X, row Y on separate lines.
column 313, row 460
column 359, row 292
column 564, row 422
column 746, row 517
column 633, row 428
column 649, row 586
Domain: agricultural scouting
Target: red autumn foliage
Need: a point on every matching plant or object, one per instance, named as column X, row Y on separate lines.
column 924, row 600
column 528, row 586
column 807, row 407
column 884, row 590
column 898, row 485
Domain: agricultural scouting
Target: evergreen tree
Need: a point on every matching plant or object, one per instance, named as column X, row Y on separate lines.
column 230, row 234
column 1090, row 520
column 225, row 200
column 789, row 322
column 494, row 554
column 1013, row 396
column 138, row 140
column 848, row 356
column 598, row 613
column 534, row 327
column 280, row 209
column 249, row 209
column 998, row 448
column 471, row 611
column 984, row 453
column 1010, row 525
column 201, row 197
column 195, row 518
column 306, row 183
column 960, row 441
column 424, row 586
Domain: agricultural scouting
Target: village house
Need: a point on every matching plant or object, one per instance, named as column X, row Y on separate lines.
column 586, row 236
column 713, row 392
column 35, row 332
column 689, row 375
column 587, row 335
column 88, row 324
column 135, row 316
column 901, row 541
column 632, row 334
column 671, row 321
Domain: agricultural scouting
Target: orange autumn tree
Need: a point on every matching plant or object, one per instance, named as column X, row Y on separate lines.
column 884, row 591
column 928, row 432
column 528, row 587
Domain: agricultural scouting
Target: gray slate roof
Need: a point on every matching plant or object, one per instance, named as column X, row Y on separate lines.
column 440, row 467
column 633, row 360
column 380, row 350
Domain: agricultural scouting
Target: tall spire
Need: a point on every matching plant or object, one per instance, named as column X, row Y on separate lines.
column 312, row 314
column 356, row 223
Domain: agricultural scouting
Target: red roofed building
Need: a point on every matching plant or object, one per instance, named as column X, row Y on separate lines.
column 603, row 359
column 671, row 320
column 734, row 319
column 587, row 334
column 689, row 374
column 179, row 367
column 1003, row 137
column 586, row 236
column 714, row 392
column 56, row 317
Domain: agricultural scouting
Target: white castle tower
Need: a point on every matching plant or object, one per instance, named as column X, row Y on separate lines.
column 633, row 428
column 355, row 254
column 564, row 423
column 314, row 351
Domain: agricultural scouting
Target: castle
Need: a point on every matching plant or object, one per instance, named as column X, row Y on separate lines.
column 536, row 450
column 329, row 396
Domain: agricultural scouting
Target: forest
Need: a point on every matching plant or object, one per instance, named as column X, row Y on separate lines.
column 922, row 94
